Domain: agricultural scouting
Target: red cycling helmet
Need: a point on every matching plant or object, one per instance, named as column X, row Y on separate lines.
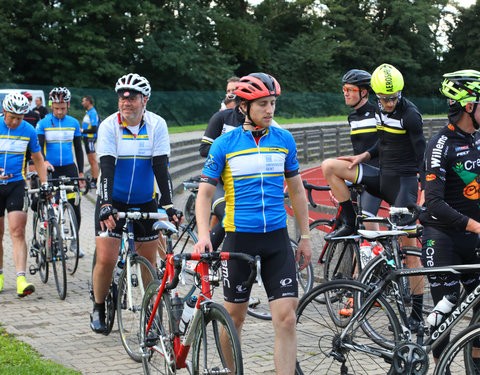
column 257, row 85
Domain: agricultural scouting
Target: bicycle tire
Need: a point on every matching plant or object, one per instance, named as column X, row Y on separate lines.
column 377, row 266
column 341, row 260
column 183, row 242
column 38, row 242
column 457, row 356
column 128, row 311
column 160, row 334
column 110, row 299
column 258, row 305
column 189, row 209
column 55, row 243
column 318, row 230
column 208, row 355
column 70, row 238
column 320, row 347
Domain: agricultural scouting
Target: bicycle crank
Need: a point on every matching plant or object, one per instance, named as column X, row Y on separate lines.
column 410, row 358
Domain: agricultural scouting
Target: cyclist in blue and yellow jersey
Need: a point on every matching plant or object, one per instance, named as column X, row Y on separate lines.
column 89, row 131
column 400, row 150
column 16, row 136
column 452, row 190
column 58, row 134
column 363, row 129
column 133, row 149
column 253, row 161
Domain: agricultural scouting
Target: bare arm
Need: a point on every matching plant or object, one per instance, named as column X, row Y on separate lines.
column 300, row 208
column 202, row 212
column 40, row 167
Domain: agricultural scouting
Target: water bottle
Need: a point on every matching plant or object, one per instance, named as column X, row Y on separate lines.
column 441, row 309
column 187, row 314
column 377, row 250
column 177, row 308
column 118, row 272
column 365, row 252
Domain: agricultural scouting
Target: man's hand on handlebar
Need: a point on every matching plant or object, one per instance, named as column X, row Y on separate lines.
column 107, row 216
column 175, row 216
column 203, row 246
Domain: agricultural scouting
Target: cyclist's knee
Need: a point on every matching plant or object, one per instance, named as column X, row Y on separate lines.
column 283, row 313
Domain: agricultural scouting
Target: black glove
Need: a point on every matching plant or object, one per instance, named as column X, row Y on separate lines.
column 46, row 190
column 172, row 211
column 106, row 211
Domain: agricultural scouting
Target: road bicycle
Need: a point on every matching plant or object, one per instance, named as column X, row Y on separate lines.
column 210, row 332
column 134, row 273
column 375, row 339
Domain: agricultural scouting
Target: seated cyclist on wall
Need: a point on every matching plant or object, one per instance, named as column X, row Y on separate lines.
column 451, row 223
column 58, row 134
column 133, row 147
column 253, row 160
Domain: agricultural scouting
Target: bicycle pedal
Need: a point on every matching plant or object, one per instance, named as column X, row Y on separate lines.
column 33, row 270
column 151, row 340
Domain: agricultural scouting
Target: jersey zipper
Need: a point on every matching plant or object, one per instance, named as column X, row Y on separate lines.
column 5, row 161
column 133, row 171
column 261, row 184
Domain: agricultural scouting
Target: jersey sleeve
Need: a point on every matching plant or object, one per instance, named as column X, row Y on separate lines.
column 33, row 143
column 413, row 122
column 77, row 132
column 435, row 181
column 107, row 140
column 40, row 127
column 93, row 118
column 161, row 140
column 291, row 161
column 215, row 163
column 212, row 132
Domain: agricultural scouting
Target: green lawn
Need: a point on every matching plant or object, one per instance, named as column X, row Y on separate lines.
column 17, row 357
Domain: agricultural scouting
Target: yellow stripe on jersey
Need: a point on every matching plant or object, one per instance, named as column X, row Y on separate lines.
column 391, row 130
column 255, row 150
column 359, row 131
column 15, row 137
column 259, row 175
column 228, row 220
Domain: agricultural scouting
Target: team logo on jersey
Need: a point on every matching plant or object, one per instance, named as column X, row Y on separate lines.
column 286, row 282
column 461, row 148
column 430, row 243
column 451, row 127
column 472, row 190
column 437, row 151
column 430, row 177
column 210, row 163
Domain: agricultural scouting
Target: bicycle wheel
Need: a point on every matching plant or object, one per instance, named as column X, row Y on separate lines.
column 258, row 305
column 183, row 242
column 462, row 355
column 70, row 237
column 38, row 242
column 157, row 344
column 341, row 260
column 189, row 209
column 129, row 303
column 318, row 230
column 323, row 346
column 216, row 346
column 110, row 299
column 374, row 270
column 55, row 244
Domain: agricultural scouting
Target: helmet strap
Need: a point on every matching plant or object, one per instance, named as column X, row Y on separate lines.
column 359, row 100
column 472, row 115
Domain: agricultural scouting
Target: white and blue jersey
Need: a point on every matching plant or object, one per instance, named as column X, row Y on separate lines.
column 13, row 149
column 134, row 177
column 253, row 177
column 59, row 134
column 90, row 119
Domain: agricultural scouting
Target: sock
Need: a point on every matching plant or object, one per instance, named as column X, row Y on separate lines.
column 417, row 303
column 20, row 273
column 99, row 307
column 347, row 212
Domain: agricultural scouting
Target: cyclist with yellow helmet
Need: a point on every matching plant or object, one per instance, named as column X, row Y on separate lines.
column 400, row 150
column 452, row 190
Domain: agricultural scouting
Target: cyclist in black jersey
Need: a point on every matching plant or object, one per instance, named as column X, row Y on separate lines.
column 363, row 129
column 400, row 150
column 452, row 188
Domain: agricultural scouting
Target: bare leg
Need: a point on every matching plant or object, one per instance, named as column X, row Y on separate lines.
column 107, row 254
column 92, row 160
column 17, row 221
column 336, row 172
column 238, row 312
column 2, row 230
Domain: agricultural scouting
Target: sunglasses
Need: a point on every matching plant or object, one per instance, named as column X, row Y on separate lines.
column 388, row 98
column 349, row 90
column 230, row 96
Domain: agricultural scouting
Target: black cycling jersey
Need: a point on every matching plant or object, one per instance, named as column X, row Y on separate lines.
column 220, row 123
column 452, row 179
column 401, row 142
column 363, row 130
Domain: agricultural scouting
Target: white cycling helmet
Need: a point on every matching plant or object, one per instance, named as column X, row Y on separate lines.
column 60, row 95
column 134, row 82
column 16, row 103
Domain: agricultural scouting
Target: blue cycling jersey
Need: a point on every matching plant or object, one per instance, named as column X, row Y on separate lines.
column 134, row 178
column 253, row 177
column 59, row 134
column 13, row 148
column 90, row 119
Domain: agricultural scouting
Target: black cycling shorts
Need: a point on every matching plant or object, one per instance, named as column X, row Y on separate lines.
column 142, row 229
column 89, row 145
column 12, row 196
column 278, row 265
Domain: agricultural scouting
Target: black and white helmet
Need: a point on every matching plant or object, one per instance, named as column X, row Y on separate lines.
column 60, row 95
column 16, row 103
column 134, row 82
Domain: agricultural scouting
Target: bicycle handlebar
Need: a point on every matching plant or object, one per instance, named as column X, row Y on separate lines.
column 138, row 215
column 310, row 187
column 254, row 263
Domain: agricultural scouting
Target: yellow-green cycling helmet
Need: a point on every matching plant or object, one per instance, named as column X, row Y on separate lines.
column 463, row 86
column 387, row 79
